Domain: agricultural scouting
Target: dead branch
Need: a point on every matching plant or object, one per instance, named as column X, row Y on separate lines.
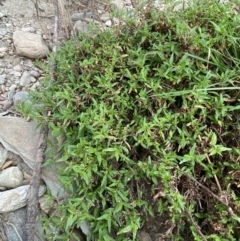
column 194, row 224
column 229, row 209
column 33, row 199
column 208, row 159
column 56, row 21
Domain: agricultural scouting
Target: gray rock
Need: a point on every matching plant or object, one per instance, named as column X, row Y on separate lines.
column 3, row 155
column 16, row 198
column 2, row 79
column 80, row 27
column 25, row 79
column 11, row 93
column 20, row 96
column 11, row 177
column 46, row 203
column 16, row 61
column 20, row 137
column 2, row 14
column 50, row 177
column 35, row 86
column 33, row 80
column 108, row 23
column 3, row 49
column 29, row 29
column 3, row 30
column 17, row 219
column 17, row 74
column 34, row 73
column 14, row 224
column 104, row 17
column 30, row 45
column 7, row 105
column 80, row 16
column 118, row 3
column 18, row 68
column 13, row 87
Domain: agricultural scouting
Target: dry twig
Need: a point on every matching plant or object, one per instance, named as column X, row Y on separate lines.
column 215, row 177
column 229, row 209
column 32, row 205
column 195, row 225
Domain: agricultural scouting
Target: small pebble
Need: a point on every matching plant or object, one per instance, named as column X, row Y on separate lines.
column 2, row 79
column 7, row 105
column 11, row 93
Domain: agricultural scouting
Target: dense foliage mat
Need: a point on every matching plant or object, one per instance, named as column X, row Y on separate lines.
column 149, row 111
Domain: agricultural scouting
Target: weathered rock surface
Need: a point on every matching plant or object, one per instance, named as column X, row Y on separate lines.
column 11, row 177
column 80, row 27
column 16, row 198
column 3, row 155
column 20, row 137
column 80, row 16
column 30, row 45
column 15, row 231
column 20, row 96
column 2, row 78
column 25, row 79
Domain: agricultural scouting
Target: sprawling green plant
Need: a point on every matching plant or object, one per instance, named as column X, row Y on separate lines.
column 150, row 113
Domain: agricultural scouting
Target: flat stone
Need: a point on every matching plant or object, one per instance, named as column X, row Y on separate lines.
column 17, row 74
column 25, row 79
column 16, row 198
column 13, row 87
column 30, row 45
column 3, row 49
column 8, row 104
column 33, row 79
column 80, row 16
column 2, row 14
column 3, row 31
column 20, row 96
column 34, row 73
column 2, row 79
column 108, row 23
column 18, row 68
column 11, row 93
column 46, row 203
column 11, row 177
column 80, row 27
column 20, row 137
column 118, row 3
column 28, row 29
column 16, row 61
column 16, row 218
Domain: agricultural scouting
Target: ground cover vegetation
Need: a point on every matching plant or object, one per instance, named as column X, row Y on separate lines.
column 150, row 114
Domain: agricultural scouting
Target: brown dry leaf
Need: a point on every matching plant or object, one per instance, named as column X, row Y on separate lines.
column 6, row 164
column 159, row 194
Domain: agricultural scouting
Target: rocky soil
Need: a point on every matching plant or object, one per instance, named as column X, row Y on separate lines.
column 26, row 34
